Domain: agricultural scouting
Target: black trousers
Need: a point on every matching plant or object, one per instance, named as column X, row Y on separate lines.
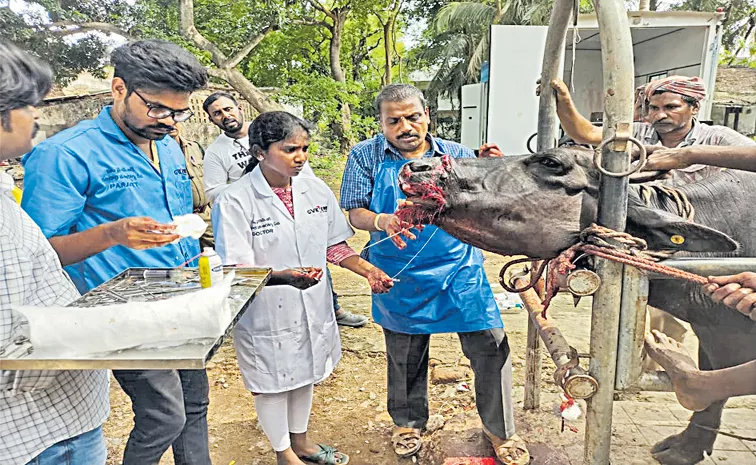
column 488, row 351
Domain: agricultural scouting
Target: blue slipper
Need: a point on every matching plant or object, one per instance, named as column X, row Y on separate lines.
column 327, row 455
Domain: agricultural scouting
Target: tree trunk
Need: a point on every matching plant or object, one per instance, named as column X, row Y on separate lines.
column 342, row 130
column 249, row 91
column 226, row 68
column 387, row 41
column 337, row 32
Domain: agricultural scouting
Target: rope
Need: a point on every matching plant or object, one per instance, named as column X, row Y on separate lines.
column 643, row 264
column 724, row 433
column 685, row 209
column 533, row 279
column 595, row 240
column 634, row 253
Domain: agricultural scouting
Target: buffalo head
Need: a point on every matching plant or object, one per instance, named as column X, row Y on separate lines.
column 534, row 205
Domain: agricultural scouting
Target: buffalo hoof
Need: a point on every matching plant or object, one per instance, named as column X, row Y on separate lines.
column 684, row 449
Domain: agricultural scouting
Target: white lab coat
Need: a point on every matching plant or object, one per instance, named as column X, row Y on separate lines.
column 288, row 338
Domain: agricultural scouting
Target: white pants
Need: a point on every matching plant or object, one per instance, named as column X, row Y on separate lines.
column 283, row 413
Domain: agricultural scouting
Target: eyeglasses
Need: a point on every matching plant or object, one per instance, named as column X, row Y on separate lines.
column 160, row 112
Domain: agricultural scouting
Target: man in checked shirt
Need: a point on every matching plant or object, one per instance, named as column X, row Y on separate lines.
column 46, row 417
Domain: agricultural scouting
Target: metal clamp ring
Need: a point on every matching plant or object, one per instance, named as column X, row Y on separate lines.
column 633, row 169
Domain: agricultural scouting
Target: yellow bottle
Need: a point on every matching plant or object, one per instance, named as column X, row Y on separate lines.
column 210, row 268
column 204, row 271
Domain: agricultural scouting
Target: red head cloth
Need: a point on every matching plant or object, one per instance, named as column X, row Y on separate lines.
column 692, row 87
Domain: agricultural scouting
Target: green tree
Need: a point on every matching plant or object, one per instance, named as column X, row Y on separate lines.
column 44, row 33
column 388, row 16
column 331, row 68
column 333, row 18
column 42, row 29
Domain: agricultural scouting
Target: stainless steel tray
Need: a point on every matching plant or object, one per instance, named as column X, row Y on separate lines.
column 132, row 285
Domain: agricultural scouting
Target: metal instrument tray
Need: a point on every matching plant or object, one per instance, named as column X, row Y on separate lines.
column 133, row 285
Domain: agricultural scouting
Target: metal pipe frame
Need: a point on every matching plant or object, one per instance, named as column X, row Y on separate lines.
column 617, row 60
column 709, row 266
column 632, row 327
column 548, row 130
column 548, row 125
column 568, row 375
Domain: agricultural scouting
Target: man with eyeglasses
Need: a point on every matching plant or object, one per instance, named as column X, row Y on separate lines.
column 104, row 193
column 443, row 286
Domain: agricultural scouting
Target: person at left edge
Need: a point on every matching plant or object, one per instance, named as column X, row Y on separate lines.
column 44, row 415
column 103, row 193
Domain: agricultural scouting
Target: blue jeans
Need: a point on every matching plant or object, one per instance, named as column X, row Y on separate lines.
column 170, row 410
column 84, row 449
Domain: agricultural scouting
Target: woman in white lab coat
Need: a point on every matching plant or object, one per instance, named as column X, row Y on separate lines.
column 288, row 339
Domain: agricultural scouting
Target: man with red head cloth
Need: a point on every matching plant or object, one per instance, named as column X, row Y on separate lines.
column 666, row 114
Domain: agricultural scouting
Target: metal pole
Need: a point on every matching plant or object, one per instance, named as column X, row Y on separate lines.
column 632, row 327
column 548, row 129
column 617, row 57
column 568, row 375
column 710, row 266
column 532, row 397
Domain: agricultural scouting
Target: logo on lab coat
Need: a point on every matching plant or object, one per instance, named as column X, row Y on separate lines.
column 318, row 209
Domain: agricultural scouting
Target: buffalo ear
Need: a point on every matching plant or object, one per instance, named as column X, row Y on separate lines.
column 665, row 231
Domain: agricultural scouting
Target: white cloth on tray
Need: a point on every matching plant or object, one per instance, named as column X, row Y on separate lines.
column 71, row 332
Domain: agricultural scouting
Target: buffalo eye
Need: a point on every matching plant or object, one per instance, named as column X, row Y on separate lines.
column 549, row 162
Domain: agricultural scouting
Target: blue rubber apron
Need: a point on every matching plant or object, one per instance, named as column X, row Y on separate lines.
column 443, row 290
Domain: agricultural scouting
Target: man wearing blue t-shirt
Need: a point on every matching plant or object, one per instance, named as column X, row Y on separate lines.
column 104, row 193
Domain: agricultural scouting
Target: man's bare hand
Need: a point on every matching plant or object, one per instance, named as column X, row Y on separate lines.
column 736, row 291
column 141, row 233
column 393, row 225
column 662, row 158
column 561, row 91
column 489, row 150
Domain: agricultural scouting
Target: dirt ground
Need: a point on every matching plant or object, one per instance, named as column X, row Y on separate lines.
column 350, row 407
